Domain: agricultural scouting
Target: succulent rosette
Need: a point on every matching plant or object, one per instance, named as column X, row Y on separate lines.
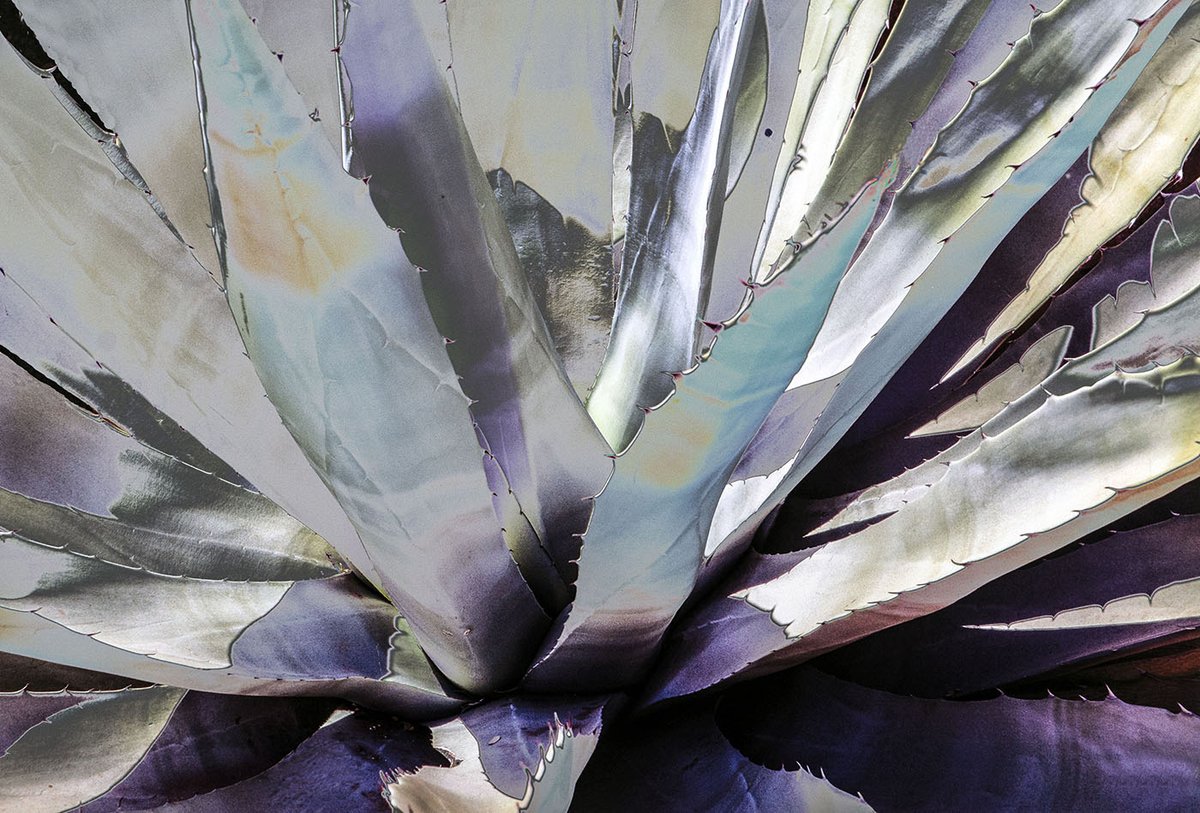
column 597, row 405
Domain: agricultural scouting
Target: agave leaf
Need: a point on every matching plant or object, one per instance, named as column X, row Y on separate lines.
column 1039, row 754
column 18, row 673
column 1036, row 364
column 304, row 36
column 1167, row 334
column 211, row 741
column 1160, row 337
column 534, row 81
column 318, row 285
column 648, row 530
column 910, row 304
column 1174, row 271
column 680, row 760
column 368, row 659
column 649, row 123
column 661, row 75
column 85, row 572
column 622, row 108
column 1001, row 25
column 504, row 756
column 570, row 272
column 67, row 478
column 667, row 271
column 516, row 736
column 1163, row 464
column 951, row 541
column 426, row 182
column 1176, row 601
column 750, row 101
column 109, row 734
column 668, row 58
column 132, row 609
column 740, row 498
column 182, row 564
column 24, row 709
column 118, row 295
column 1133, row 157
column 30, row 336
column 914, row 68
column 103, row 49
column 839, row 38
column 877, row 502
column 549, row 583
column 766, row 91
column 918, row 654
column 1124, row 266
column 342, row 761
column 1176, row 664
column 755, row 484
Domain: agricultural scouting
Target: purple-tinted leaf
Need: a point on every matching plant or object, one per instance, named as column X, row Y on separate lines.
column 514, row 736
column 334, row 320
column 647, row 534
column 18, row 673
column 525, row 754
column 338, row 768
column 1002, row 754
column 951, row 652
column 679, row 761
column 21, row 710
column 212, row 741
column 103, row 738
column 426, row 182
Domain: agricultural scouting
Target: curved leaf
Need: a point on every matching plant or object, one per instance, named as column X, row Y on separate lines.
column 318, row 286
column 679, row 760
column 909, row 305
column 1131, row 160
column 667, row 272
column 1107, row 448
column 117, row 292
column 339, row 765
column 1036, row 364
column 212, row 741
column 109, row 734
column 426, row 183
column 839, row 38
column 648, row 530
column 953, row 652
column 984, row 755
column 504, row 756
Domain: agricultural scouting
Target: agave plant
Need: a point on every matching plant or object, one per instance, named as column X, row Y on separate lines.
column 609, row 406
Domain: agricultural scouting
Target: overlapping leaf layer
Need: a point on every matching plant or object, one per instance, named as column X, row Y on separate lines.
column 499, row 405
